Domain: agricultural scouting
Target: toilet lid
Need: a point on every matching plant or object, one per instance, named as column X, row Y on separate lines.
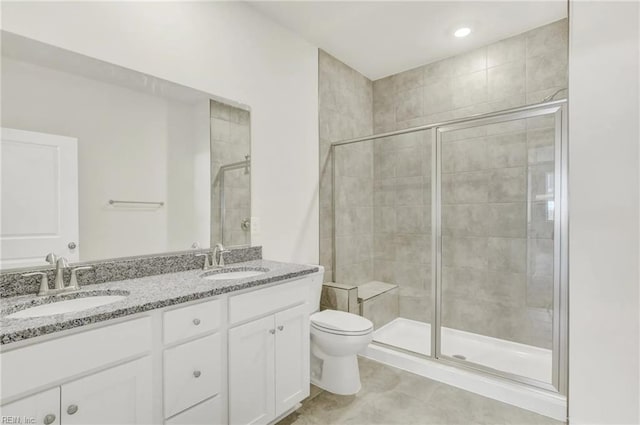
column 341, row 322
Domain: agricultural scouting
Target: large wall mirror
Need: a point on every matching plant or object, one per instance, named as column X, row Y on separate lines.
column 99, row 161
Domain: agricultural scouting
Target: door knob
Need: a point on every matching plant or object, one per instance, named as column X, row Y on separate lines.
column 281, row 327
column 197, row 374
column 49, row 419
column 272, row 331
column 72, row 409
column 196, row 322
column 72, row 245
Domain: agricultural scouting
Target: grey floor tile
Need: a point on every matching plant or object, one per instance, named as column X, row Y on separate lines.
column 393, row 396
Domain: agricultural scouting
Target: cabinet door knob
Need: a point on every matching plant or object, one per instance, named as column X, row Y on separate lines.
column 272, row 331
column 281, row 327
column 197, row 373
column 196, row 322
column 49, row 419
column 72, row 409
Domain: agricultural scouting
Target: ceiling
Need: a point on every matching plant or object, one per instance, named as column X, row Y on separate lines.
column 381, row 38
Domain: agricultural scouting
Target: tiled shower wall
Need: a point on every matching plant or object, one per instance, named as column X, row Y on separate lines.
column 230, row 142
column 345, row 111
column 515, row 71
column 496, row 281
column 402, row 220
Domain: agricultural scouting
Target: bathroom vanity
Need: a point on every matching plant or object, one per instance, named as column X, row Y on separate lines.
column 179, row 349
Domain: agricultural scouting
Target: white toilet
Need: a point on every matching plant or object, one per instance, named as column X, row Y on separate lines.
column 336, row 339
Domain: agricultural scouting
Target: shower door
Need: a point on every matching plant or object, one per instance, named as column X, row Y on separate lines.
column 500, row 292
column 382, row 234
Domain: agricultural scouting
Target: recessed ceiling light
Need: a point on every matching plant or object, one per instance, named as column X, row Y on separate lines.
column 462, row 32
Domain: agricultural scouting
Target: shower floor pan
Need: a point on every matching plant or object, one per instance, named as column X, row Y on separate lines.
column 512, row 357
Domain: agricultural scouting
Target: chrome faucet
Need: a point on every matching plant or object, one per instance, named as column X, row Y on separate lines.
column 61, row 264
column 59, row 286
column 219, row 250
column 217, row 257
column 207, row 264
column 73, row 282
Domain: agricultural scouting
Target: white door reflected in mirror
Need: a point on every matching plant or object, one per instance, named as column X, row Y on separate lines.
column 40, row 214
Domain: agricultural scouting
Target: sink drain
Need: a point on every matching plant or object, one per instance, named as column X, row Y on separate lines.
column 459, row 356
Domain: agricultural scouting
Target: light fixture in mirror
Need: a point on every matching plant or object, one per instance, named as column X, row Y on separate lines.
column 100, row 161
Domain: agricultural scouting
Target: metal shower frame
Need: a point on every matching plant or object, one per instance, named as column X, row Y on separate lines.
column 557, row 109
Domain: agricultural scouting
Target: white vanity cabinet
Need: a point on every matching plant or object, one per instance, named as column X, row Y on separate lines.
column 239, row 358
column 252, row 372
column 118, row 395
column 192, row 370
column 43, row 408
column 292, row 357
column 269, row 355
column 107, row 393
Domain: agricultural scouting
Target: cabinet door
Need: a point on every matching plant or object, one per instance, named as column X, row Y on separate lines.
column 292, row 357
column 41, row 408
column 251, row 372
column 119, row 395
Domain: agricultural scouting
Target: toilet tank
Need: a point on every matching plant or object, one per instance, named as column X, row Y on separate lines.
column 315, row 284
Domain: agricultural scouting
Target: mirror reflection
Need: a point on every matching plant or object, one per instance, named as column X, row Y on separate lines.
column 99, row 161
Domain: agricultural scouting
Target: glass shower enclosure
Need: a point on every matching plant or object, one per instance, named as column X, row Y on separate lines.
column 467, row 220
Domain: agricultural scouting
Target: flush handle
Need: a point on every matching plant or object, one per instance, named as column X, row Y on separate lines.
column 49, row 419
column 72, row 409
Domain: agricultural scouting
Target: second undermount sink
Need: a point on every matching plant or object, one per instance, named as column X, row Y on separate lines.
column 233, row 274
column 66, row 306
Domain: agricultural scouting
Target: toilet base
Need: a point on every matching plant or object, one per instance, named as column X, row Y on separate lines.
column 337, row 375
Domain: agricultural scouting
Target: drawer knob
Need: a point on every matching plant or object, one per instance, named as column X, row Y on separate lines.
column 196, row 322
column 272, row 331
column 281, row 327
column 72, row 409
column 197, row 373
column 49, row 419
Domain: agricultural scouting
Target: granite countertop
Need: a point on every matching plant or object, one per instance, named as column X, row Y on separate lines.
column 142, row 294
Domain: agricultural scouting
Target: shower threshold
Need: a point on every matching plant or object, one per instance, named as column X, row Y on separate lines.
column 519, row 359
column 507, row 356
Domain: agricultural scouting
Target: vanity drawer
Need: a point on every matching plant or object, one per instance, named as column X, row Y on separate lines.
column 192, row 320
column 57, row 359
column 269, row 300
column 191, row 373
column 208, row 412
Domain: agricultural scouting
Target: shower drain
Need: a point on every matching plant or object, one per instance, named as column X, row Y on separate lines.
column 459, row 356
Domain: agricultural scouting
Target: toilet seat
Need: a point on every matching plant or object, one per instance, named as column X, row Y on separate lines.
column 340, row 323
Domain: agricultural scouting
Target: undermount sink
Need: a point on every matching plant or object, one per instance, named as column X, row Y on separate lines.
column 66, row 306
column 233, row 274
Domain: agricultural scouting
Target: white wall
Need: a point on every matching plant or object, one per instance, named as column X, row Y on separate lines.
column 604, row 372
column 223, row 48
column 131, row 146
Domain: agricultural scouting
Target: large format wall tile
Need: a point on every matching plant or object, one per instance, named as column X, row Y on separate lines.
column 230, row 132
column 345, row 111
column 497, row 184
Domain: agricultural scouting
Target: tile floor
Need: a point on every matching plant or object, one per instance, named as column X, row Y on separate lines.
column 393, row 396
